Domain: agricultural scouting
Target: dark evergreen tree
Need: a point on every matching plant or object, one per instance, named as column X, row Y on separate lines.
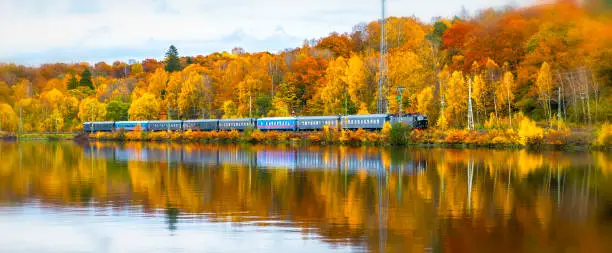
column 73, row 83
column 86, row 79
column 172, row 60
column 189, row 61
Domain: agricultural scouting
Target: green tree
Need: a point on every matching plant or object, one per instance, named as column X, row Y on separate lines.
column 117, row 110
column 172, row 60
column 73, row 83
column 86, row 79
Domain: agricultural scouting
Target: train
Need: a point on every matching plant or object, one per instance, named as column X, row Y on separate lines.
column 302, row 123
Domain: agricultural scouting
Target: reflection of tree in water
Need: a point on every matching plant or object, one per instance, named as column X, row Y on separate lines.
column 172, row 214
column 385, row 200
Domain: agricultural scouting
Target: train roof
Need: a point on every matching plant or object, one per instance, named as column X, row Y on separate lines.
column 318, row 117
column 127, row 122
column 163, row 121
column 278, row 118
column 200, row 120
column 100, row 122
column 366, row 116
column 239, row 119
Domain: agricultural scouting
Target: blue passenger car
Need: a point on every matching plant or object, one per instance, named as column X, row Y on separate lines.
column 165, row 125
column 131, row 125
column 317, row 122
column 278, row 123
column 201, row 125
column 237, row 124
column 105, row 126
column 366, row 121
column 87, row 127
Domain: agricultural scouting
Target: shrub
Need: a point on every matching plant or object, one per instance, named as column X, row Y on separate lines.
column 442, row 123
column 233, row 135
column 373, row 137
column 258, row 136
column 579, row 139
column 529, row 133
column 398, row 134
column 386, row 130
column 555, row 137
column 344, row 136
column 604, row 135
column 315, row 137
column 159, row 136
column 455, row 136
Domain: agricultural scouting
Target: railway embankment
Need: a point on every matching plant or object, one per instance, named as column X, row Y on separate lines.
column 397, row 135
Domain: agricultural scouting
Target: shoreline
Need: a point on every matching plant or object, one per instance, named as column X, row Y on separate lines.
column 459, row 139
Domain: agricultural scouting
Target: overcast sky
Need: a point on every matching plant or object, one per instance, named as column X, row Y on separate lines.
column 39, row 31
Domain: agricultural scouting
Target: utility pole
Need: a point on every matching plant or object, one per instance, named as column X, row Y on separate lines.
column 250, row 107
column 345, row 101
column 383, row 65
column 470, row 116
column 399, row 98
column 20, row 120
column 559, row 108
column 92, row 118
column 442, row 104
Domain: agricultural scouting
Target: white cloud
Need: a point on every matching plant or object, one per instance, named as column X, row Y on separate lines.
column 33, row 29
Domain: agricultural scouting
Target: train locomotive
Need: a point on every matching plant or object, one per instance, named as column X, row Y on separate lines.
column 303, row 123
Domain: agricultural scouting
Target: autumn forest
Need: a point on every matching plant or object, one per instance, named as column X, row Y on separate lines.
column 552, row 63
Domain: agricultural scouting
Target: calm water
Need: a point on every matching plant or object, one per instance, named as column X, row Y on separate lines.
column 135, row 197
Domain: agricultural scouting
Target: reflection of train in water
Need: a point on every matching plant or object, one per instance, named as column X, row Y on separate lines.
column 265, row 158
column 310, row 123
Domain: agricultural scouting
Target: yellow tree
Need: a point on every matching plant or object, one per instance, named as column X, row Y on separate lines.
column 8, row 118
column 356, row 79
column 230, row 110
column 478, row 95
column 55, row 83
column 504, row 93
column 544, row 85
column 144, row 108
column 136, row 69
column 405, row 69
column 22, row 89
column 52, row 98
column 279, row 108
column 333, row 93
column 456, row 95
column 190, row 95
column 91, row 109
column 54, row 122
column 425, row 100
column 173, row 91
column 492, row 77
column 158, row 82
column 247, row 89
column 5, row 93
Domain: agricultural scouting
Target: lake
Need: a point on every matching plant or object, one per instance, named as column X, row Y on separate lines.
column 170, row 197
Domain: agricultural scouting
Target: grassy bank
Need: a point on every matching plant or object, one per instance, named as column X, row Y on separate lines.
column 526, row 135
column 47, row 136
